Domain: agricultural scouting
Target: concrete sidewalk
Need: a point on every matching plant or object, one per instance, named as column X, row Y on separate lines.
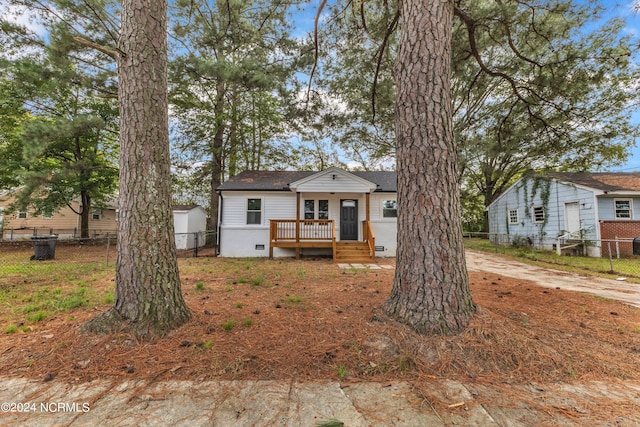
column 276, row 403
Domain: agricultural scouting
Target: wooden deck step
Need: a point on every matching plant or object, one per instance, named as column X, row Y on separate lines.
column 352, row 251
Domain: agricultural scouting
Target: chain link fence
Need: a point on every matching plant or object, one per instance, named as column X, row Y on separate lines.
column 26, row 233
column 617, row 257
column 50, row 252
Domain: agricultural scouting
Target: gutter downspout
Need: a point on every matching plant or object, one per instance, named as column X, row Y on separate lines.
column 219, row 231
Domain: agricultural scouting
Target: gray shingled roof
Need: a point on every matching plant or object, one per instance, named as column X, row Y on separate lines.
column 280, row 180
column 605, row 181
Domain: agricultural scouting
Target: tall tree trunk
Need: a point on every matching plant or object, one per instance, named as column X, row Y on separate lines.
column 217, row 155
column 148, row 297
column 431, row 286
column 85, row 201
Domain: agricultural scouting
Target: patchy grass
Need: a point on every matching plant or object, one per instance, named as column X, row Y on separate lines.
column 601, row 267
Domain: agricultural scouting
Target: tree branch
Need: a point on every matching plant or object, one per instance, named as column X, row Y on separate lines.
column 470, row 24
column 512, row 45
column 381, row 51
column 115, row 54
column 315, row 46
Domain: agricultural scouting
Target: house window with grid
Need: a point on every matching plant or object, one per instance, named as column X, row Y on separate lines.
column 96, row 214
column 21, row 215
column 323, row 209
column 310, row 209
column 389, row 209
column 513, row 216
column 623, row 208
column 254, row 211
column 538, row 214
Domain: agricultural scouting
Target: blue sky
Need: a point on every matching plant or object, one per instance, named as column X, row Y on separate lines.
column 624, row 9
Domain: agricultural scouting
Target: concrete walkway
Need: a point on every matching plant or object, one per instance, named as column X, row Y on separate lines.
column 315, row 403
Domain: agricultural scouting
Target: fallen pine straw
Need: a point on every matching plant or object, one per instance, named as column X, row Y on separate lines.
column 327, row 323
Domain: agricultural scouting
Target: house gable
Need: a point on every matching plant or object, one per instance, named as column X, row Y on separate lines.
column 333, row 180
column 530, row 209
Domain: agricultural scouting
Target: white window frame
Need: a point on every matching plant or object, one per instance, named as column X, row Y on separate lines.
column 383, row 209
column 22, row 215
column 312, row 212
column 327, row 211
column 513, row 221
column 96, row 214
column 616, row 210
column 315, row 212
column 261, row 211
column 533, row 214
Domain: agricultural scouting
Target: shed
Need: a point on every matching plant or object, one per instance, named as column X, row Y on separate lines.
column 190, row 223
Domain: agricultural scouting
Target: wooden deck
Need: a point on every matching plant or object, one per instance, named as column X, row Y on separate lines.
column 320, row 233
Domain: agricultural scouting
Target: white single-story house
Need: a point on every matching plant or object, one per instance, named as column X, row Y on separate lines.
column 347, row 215
column 190, row 223
column 591, row 210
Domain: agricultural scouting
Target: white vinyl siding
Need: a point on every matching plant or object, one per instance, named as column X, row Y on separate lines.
column 343, row 183
column 274, row 206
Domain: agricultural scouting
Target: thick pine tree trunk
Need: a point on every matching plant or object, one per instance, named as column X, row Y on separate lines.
column 148, row 297
column 431, row 287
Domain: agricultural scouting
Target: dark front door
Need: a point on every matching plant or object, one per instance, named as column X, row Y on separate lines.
column 348, row 220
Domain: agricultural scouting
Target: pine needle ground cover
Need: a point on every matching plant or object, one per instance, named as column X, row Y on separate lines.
column 308, row 320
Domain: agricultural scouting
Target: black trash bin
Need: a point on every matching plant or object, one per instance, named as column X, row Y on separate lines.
column 44, row 247
column 636, row 246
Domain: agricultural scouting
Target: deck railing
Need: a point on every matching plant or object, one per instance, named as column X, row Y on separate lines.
column 369, row 236
column 305, row 229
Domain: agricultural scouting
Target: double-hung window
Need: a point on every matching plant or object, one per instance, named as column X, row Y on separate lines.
column 310, row 211
column 513, row 216
column 254, row 211
column 389, row 209
column 623, row 208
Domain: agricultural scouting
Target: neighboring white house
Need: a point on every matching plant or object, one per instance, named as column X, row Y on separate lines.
column 568, row 208
column 348, row 215
column 190, row 223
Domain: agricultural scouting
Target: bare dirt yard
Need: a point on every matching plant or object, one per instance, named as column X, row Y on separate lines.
column 309, row 319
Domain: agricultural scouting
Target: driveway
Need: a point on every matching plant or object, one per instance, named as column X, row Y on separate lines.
column 620, row 290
